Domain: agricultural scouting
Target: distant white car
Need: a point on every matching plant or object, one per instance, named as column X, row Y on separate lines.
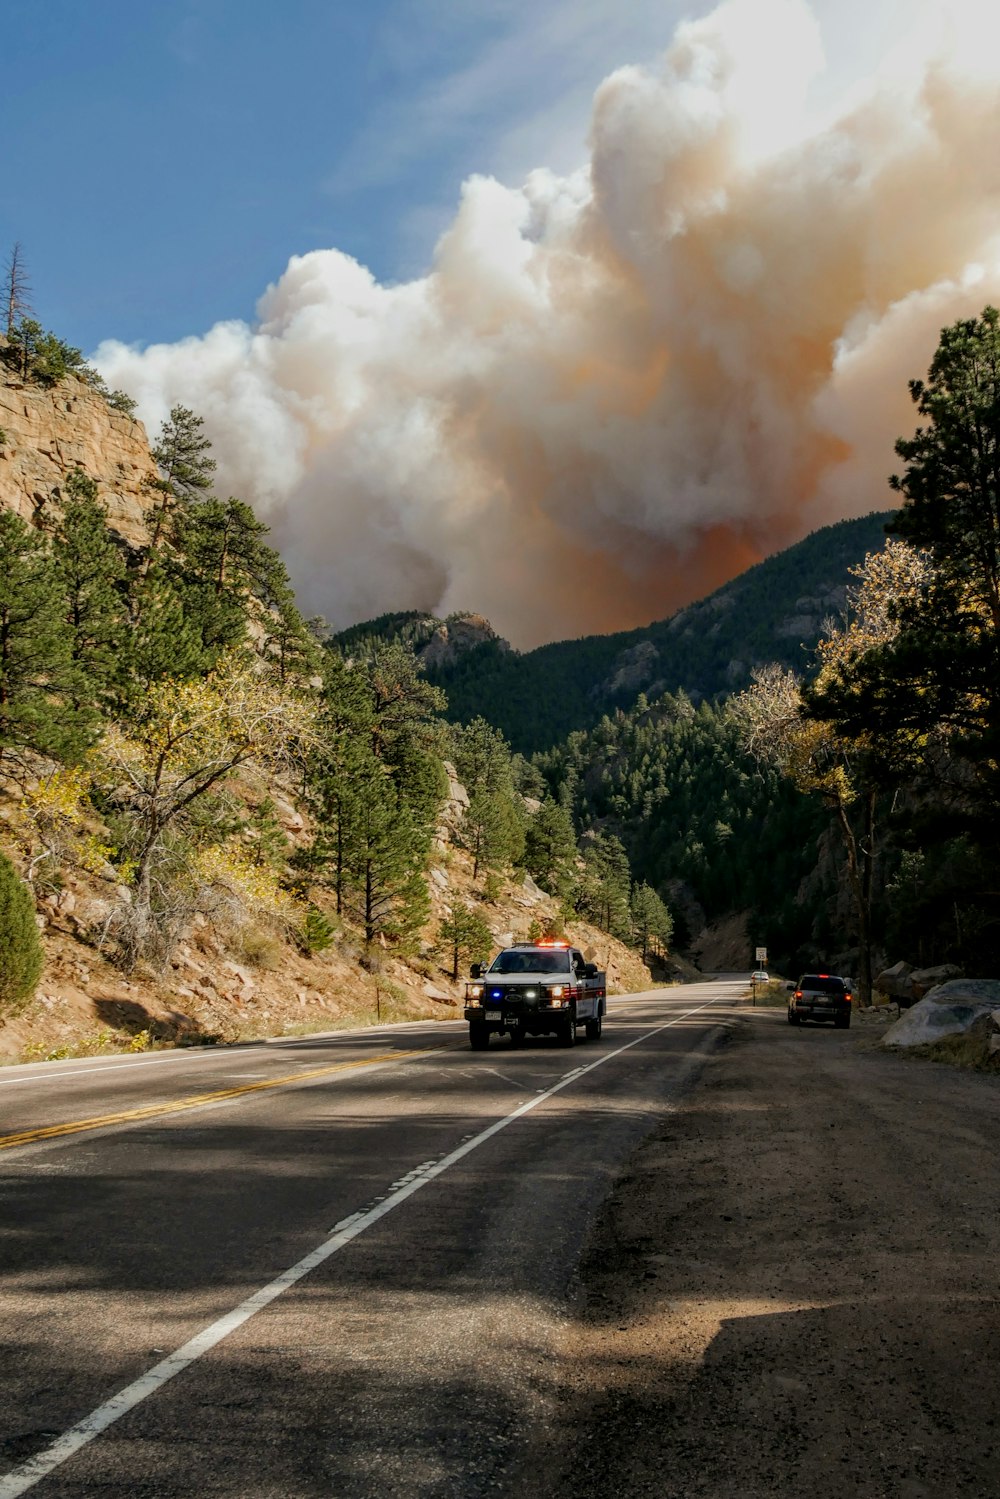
column 760, row 977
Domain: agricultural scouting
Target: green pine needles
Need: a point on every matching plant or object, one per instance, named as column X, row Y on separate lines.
column 20, row 946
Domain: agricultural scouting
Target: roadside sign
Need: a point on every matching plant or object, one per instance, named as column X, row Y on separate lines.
column 762, row 955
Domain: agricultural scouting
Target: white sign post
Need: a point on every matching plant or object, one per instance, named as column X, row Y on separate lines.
column 761, row 960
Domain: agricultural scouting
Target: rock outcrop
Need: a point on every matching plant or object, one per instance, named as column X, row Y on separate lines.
column 456, row 636
column 50, row 430
column 634, row 669
column 949, row 1010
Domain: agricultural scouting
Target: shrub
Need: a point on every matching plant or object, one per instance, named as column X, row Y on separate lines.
column 258, row 948
column 21, row 955
column 119, row 401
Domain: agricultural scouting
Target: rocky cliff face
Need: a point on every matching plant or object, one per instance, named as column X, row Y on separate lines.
column 461, row 633
column 49, row 430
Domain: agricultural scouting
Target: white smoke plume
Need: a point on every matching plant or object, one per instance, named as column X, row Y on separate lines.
column 613, row 391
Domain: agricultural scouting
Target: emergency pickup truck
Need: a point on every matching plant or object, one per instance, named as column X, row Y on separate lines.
column 535, row 989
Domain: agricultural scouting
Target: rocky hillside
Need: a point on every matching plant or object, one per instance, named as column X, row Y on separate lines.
column 49, row 430
column 227, row 984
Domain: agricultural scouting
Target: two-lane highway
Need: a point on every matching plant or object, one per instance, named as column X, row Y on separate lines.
column 320, row 1267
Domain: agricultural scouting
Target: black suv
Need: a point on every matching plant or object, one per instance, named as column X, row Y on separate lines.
column 821, row 996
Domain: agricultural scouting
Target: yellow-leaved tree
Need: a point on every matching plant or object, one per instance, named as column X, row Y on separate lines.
column 158, row 780
column 778, row 725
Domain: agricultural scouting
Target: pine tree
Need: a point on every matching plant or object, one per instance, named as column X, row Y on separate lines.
column 652, row 923
column 290, row 644
column 385, row 855
column 376, row 785
column 464, row 934
column 42, row 355
column 604, row 892
column 550, row 850
column 21, row 955
column 38, row 681
column 344, row 735
column 221, row 551
column 404, row 704
column 16, row 290
column 494, row 822
column 234, row 583
column 182, row 456
column 186, row 474
column 91, row 571
column 163, row 642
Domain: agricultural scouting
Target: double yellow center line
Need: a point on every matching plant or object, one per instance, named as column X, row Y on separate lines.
column 198, row 1100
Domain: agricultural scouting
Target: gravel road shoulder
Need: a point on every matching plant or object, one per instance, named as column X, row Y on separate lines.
column 795, row 1287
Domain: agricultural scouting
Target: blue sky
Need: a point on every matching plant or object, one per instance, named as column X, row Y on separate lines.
column 164, row 160
column 165, row 163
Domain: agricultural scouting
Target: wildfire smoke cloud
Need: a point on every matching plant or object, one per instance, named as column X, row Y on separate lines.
column 614, row 390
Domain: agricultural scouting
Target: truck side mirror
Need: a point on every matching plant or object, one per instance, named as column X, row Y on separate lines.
column 476, row 970
column 590, row 970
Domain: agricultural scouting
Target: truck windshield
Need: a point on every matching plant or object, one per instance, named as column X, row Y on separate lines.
column 531, row 962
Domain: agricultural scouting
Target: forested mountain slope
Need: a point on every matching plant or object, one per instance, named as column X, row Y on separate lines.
column 700, row 821
column 773, row 612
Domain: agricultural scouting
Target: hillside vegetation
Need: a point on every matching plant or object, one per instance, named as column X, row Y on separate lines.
column 701, row 822
column 775, row 611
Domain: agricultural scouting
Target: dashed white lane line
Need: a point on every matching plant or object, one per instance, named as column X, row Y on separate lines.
column 29, row 1473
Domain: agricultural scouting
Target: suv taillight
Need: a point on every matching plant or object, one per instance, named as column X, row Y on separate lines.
column 797, row 994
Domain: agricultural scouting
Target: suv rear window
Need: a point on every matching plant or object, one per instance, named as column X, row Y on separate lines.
column 821, row 983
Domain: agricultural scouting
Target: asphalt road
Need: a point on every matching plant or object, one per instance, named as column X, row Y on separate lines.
column 326, row 1267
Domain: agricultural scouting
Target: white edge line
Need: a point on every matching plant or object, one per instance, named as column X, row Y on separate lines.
column 24, row 1477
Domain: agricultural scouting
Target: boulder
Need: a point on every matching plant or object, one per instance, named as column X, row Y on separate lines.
column 948, row 1010
column 926, row 979
column 286, row 815
column 897, row 983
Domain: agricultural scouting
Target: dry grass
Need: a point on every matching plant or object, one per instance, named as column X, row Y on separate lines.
column 970, row 1050
column 258, row 948
column 773, row 995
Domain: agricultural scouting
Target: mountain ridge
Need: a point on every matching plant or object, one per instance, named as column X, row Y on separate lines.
column 775, row 611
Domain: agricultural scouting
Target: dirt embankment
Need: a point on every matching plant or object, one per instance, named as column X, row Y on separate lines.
column 226, row 983
column 794, row 1291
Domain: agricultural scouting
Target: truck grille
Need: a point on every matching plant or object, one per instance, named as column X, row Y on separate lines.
column 513, row 994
